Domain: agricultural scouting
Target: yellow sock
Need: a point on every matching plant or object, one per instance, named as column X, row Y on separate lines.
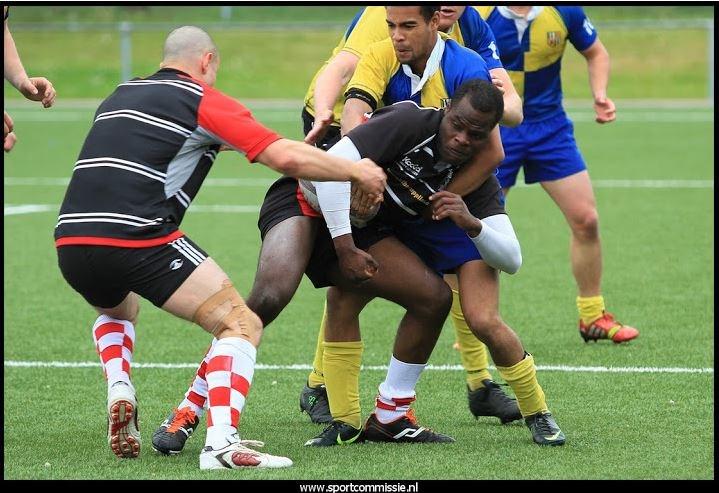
column 317, row 377
column 522, row 377
column 342, row 367
column 472, row 351
column 590, row 308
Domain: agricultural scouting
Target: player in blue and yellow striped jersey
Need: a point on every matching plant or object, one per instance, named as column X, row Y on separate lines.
column 531, row 41
column 323, row 104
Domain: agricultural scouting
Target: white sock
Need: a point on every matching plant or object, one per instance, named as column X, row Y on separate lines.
column 396, row 393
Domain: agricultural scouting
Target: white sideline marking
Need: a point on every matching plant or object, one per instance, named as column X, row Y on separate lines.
column 561, row 368
column 12, row 210
column 210, row 182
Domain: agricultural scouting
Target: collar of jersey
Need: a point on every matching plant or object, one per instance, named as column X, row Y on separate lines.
column 508, row 14
column 429, row 70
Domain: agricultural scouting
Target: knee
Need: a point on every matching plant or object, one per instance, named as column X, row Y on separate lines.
column 268, row 302
column 339, row 301
column 225, row 314
column 486, row 326
column 437, row 303
column 585, row 226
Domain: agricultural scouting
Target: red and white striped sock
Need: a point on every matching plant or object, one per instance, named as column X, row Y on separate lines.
column 396, row 393
column 229, row 376
column 196, row 395
column 114, row 342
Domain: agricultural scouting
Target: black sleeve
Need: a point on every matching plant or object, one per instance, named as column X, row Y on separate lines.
column 393, row 131
column 7, row 12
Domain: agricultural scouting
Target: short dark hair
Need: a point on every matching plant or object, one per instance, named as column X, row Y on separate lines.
column 483, row 96
column 428, row 11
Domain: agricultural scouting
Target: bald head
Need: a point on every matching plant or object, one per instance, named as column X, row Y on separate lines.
column 190, row 49
column 187, row 43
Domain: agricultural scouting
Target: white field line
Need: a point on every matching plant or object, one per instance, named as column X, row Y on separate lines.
column 14, row 210
column 170, row 366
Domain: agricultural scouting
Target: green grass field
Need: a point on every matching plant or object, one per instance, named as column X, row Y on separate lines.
column 649, row 418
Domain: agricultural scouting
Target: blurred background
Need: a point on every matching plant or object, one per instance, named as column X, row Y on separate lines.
column 657, row 52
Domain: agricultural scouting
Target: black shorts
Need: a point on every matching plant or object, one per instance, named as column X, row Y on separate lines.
column 105, row 275
column 487, row 200
column 283, row 201
column 332, row 136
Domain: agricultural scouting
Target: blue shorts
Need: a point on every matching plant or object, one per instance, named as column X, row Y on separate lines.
column 546, row 149
column 441, row 245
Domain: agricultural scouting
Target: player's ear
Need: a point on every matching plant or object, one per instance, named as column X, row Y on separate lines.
column 434, row 21
column 206, row 61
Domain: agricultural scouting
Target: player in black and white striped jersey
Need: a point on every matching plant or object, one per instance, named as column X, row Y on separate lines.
column 150, row 147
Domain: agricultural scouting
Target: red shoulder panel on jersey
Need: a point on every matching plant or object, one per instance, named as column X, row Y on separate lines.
column 230, row 121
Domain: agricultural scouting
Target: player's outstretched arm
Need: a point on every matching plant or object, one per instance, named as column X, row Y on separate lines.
column 328, row 87
column 300, row 160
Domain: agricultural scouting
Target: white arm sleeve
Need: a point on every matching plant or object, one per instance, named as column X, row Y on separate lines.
column 498, row 244
column 334, row 196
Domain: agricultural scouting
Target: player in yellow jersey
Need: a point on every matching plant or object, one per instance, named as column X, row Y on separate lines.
column 323, row 104
column 531, row 41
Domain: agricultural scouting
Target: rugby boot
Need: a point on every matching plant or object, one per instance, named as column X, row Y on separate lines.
column 337, row 433
column 544, row 429
column 172, row 434
column 238, row 454
column 123, row 431
column 491, row 400
column 313, row 401
column 606, row 327
column 404, row 429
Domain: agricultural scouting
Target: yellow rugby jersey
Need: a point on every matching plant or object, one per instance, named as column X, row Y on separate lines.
column 381, row 80
column 531, row 50
column 370, row 26
column 367, row 27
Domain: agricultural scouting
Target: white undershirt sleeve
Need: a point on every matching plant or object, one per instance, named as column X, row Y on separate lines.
column 334, row 196
column 498, row 244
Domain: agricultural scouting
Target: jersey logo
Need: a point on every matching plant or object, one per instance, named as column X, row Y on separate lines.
column 554, row 38
column 588, row 26
column 176, row 264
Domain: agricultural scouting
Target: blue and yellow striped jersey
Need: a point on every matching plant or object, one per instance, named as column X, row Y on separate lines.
column 532, row 52
column 370, row 26
column 382, row 80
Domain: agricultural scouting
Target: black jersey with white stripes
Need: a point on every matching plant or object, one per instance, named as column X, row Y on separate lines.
column 148, row 151
column 409, row 153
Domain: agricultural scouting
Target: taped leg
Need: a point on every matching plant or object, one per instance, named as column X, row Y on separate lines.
column 225, row 314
